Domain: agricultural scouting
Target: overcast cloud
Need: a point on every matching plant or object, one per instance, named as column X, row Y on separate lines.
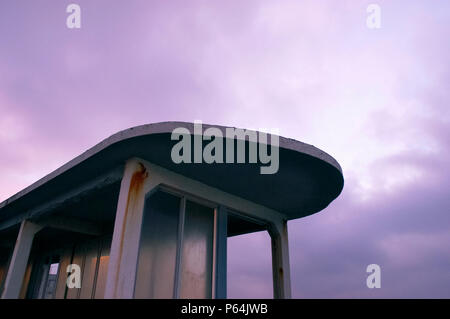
column 375, row 99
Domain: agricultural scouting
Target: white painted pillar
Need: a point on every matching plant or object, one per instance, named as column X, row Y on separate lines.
column 123, row 259
column 19, row 260
column 280, row 261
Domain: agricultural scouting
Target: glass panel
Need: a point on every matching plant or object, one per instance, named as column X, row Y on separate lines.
column 48, row 277
column 53, row 269
column 62, row 278
column 103, row 269
column 197, row 252
column 51, row 281
column 3, row 271
column 90, row 265
column 157, row 253
column 4, row 264
column 44, row 267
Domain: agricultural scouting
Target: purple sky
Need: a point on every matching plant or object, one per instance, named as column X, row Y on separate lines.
column 375, row 99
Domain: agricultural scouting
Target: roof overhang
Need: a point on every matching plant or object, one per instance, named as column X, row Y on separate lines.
column 308, row 179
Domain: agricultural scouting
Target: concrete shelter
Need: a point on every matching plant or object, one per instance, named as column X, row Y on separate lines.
column 141, row 226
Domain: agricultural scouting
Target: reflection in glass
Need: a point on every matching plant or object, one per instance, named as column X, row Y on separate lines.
column 158, row 246
column 197, row 252
column 50, row 282
column 90, row 264
column 102, row 269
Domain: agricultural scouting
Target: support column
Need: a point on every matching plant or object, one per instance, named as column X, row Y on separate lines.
column 19, row 260
column 221, row 253
column 280, row 261
column 123, row 260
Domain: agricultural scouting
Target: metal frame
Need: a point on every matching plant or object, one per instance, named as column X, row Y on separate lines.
column 130, row 214
column 214, row 256
column 189, row 189
column 178, row 258
column 184, row 197
column 221, row 213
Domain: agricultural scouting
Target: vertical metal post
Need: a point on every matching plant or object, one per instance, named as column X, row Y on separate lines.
column 280, row 260
column 177, row 281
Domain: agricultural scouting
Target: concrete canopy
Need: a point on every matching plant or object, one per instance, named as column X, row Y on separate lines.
column 308, row 179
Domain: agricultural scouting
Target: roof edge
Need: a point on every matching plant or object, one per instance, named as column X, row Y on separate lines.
column 161, row 128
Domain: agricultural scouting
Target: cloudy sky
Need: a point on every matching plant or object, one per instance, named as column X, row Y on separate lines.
column 377, row 100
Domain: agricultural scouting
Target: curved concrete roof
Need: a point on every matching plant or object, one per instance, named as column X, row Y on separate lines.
column 308, row 179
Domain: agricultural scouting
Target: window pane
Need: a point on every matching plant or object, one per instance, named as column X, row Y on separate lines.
column 90, row 264
column 52, row 276
column 157, row 253
column 4, row 265
column 196, row 269
column 54, row 269
column 103, row 269
column 62, row 277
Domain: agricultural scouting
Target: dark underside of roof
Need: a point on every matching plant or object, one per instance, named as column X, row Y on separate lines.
column 302, row 186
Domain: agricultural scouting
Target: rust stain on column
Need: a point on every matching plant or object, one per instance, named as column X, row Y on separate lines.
column 134, row 191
